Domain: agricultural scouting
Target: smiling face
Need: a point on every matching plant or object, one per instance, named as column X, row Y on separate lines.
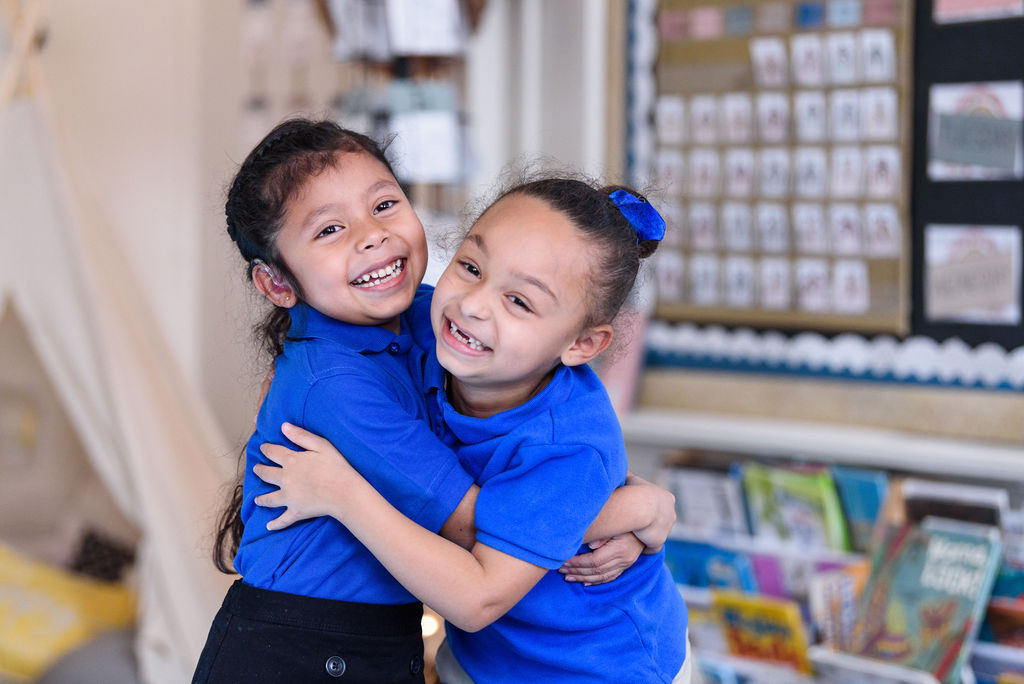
column 511, row 305
column 354, row 243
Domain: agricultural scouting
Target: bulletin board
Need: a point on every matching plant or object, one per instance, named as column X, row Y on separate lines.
column 783, row 156
column 968, row 171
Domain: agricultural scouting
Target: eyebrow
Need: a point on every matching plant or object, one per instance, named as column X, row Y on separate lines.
column 315, row 215
column 529, row 279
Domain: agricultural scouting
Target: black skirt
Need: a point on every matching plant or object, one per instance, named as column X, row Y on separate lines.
column 266, row 637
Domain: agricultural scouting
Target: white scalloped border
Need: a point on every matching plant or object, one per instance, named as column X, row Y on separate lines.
column 916, row 359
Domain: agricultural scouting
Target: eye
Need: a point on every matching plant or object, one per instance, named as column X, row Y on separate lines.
column 384, row 206
column 520, row 303
column 329, row 230
column 470, row 268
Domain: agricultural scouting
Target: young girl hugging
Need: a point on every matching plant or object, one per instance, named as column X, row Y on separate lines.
column 329, row 237
column 526, row 302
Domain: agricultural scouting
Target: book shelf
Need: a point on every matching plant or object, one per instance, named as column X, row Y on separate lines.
column 649, row 432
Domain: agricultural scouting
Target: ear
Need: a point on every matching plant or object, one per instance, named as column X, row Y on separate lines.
column 272, row 287
column 588, row 345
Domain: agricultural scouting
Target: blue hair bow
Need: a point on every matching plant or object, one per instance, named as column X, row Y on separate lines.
column 644, row 218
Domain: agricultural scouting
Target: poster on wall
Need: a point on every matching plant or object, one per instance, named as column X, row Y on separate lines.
column 959, row 11
column 975, row 131
column 972, row 274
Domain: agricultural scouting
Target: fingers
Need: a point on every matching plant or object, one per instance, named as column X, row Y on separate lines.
column 303, row 438
column 276, row 453
column 269, row 474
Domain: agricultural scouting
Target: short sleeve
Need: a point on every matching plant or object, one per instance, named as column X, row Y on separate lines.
column 390, row 444
column 539, row 508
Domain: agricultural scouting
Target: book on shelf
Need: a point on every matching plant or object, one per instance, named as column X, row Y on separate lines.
column 1004, row 621
column 970, row 503
column 833, row 598
column 700, row 564
column 925, row 595
column 798, row 505
column 708, row 502
column 996, row 663
column 861, row 493
column 762, row 628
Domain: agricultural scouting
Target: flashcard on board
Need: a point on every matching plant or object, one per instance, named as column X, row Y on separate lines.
column 845, row 228
column 844, row 115
column 809, row 228
column 670, row 119
column 703, row 172
column 841, row 51
column 773, row 166
column 772, row 117
column 668, row 274
column 703, row 119
column 739, row 282
column 669, row 166
column 737, row 227
column 844, row 13
column 737, row 117
column 425, row 27
column 703, row 226
column 773, row 17
column 772, row 227
column 774, row 287
column 739, row 172
column 810, row 171
column 703, row 270
column 768, row 56
column 812, row 285
column 877, row 51
column 851, row 293
column 883, row 176
column 883, row 236
column 810, row 116
column 706, row 23
column 846, row 175
column 807, row 55
column 879, row 114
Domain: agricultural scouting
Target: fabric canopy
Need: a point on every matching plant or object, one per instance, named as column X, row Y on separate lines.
column 150, row 436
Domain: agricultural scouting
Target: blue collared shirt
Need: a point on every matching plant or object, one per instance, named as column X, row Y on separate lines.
column 545, row 470
column 353, row 385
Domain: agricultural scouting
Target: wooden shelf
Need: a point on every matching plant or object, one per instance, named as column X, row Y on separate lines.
column 649, row 432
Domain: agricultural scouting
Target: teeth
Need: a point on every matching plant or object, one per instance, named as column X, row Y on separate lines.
column 471, row 342
column 379, row 276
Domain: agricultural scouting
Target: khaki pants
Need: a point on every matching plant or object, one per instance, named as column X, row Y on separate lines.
column 450, row 672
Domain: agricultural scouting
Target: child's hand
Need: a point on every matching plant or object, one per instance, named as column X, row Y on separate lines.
column 654, row 535
column 607, row 560
column 309, row 481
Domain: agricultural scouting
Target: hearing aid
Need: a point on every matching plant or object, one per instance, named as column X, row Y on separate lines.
column 277, row 284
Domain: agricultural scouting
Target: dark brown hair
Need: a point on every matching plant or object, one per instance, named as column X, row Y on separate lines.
column 257, row 200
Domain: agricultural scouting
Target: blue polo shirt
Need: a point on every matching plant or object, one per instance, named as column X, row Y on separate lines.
column 545, row 469
column 354, row 386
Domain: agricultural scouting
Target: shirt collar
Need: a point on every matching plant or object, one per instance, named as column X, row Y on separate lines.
column 308, row 323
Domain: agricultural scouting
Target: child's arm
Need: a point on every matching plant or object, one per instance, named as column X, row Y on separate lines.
column 640, row 507
column 471, row 589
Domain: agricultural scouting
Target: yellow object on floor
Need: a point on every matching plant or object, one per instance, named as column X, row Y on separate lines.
column 46, row 611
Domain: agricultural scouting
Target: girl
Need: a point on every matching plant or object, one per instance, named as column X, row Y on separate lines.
column 526, row 302
column 330, row 239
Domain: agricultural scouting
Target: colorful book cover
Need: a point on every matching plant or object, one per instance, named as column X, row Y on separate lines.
column 833, row 598
column 801, row 506
column 699, row 564
column 762, row 627
column 707, row 502
column 861, row 493
column 925, row 596
column 1004, row 622
column 995, row 663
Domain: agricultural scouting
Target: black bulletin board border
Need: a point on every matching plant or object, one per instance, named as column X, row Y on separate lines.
column 960, row 53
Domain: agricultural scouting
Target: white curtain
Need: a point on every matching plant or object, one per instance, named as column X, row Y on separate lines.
column 150, row 436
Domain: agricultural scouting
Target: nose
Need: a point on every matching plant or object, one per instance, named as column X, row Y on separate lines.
column 372, row 236
column 474, row 304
